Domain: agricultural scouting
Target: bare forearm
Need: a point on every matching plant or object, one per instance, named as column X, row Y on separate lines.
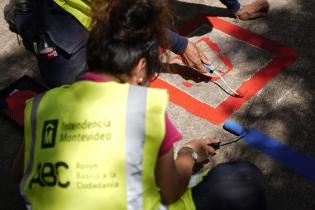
column 184, row 165
column 175, row 177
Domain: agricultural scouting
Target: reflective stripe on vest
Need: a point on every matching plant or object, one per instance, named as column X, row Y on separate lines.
column 141, row 115
column 135, row 142
column 80, row 9
column 29, row 167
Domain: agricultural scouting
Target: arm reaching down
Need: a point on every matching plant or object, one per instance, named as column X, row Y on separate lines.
column 190, row 53
column 173, row 176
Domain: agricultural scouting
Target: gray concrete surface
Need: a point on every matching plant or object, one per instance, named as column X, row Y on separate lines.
column 283, row 109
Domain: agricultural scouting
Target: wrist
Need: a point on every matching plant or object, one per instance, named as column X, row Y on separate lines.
column 237, row 13
column 188, row 151
column 178, row 43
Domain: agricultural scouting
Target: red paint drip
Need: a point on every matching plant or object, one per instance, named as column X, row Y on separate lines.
column 187, row 84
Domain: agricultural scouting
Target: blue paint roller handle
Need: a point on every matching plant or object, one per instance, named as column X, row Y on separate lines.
column 233, row 127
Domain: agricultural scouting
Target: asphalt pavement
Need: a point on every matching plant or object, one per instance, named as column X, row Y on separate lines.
column 281, row 107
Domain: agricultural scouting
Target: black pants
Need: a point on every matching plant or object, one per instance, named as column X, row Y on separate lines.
column 231, row 186
column 65, row 33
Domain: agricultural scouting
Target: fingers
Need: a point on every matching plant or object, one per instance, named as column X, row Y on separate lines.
column 206, row 149
column 256, row 9
column 201, row 146
column 187, row 62
column 199, row 59
column 211, row 150
column 204, row 152
column 200, row 67
column 211, row 141
column 195, row 58
column 203, row 57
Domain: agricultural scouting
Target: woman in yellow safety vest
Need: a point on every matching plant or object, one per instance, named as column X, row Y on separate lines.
column 105, row 142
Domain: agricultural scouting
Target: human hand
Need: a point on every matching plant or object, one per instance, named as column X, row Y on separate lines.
column 201, row 146
column 195, row 58
column 256, row 9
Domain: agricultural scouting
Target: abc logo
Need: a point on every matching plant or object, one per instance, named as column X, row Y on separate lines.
column 48, row 174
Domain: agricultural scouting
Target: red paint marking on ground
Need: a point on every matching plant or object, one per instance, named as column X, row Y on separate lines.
column 242, row 93
column 284, row 57
column 224, row 59
column 187, row 84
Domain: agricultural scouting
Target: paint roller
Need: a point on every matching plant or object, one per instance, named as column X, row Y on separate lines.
column 299, row 162
column 232, row 127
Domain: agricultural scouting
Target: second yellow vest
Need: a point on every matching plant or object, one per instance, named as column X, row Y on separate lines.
column 80, row 9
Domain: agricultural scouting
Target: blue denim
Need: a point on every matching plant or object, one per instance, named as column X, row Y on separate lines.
column 66, row 34
column 178, row 43
column 69, row 37
column 231, row 186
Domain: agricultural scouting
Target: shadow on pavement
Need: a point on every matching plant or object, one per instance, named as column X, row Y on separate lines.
column 283, row 109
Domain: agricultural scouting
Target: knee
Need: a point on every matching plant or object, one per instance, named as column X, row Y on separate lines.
column 63, row 69
column 235, row 186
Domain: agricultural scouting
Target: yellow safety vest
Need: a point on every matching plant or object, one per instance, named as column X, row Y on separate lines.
column 95, row 146
column 80, row 9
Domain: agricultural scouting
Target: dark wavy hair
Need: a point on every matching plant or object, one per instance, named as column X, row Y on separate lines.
column 124, row 32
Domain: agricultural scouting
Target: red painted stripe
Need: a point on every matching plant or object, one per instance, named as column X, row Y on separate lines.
column 284, row 57
column 223, row 58
column 272, row 46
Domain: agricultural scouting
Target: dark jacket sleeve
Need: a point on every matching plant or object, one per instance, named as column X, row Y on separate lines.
column 178, row 43
column 232, row 5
